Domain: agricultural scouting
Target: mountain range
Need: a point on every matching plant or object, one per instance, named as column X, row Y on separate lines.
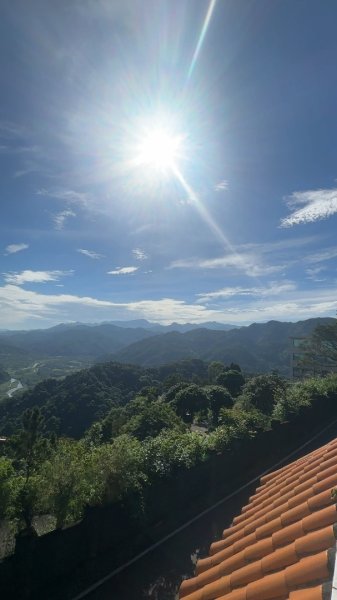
column 260, row 347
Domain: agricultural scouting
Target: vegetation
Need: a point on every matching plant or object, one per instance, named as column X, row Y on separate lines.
column 321, row 346
column 4, row 376
column 133, row 430
column 32, row 356
column 258, row 348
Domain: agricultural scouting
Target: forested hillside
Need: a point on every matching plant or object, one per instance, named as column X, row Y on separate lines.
column 31, row 356
column 74, row 340
column 116, row 434
column 134, row 429
column 260, row 347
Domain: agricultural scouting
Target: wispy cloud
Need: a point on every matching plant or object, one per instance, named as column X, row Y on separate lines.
column 123, row 271
column 313, row 272
column 309, row 206
column 61, row 217
column 29, row 167
column 90, row 253
column 139, row 254
column 261, row 259
column 10, row 130
column 13, row 248
column 274, row 289
column 249, row 263
column 31, row 158
column 322, row 256
column 29, row 276
column 67, row 195
column 222, row 186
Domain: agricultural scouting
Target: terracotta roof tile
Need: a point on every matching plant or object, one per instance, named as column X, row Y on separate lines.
column 282, row 545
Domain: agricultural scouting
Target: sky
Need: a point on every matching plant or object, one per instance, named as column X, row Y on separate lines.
column 236, row 223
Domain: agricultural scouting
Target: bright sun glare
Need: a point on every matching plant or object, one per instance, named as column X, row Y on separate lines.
column 156, row 147
column 159, row 149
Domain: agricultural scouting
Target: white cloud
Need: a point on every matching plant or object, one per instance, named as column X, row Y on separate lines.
column 123, row 271
column 248, row 262
column 274, row 289
column 19, row 306
column 90, row 253
column 139, row 254
column 65, row 194
column 313, row 272
column 309, row 206
column 322, row 256
column 34, row 276
column 262, row 259
column 222, row 186
column 13, row 248
column 61, row 217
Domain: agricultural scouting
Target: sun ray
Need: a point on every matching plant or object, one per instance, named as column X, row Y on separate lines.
column 207, row 218
column 201, row 37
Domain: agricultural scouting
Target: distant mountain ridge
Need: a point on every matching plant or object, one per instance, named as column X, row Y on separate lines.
column 260, row 347
column 82, row 339
column 182, row 327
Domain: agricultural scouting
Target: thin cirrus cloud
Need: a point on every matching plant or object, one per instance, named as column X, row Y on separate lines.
column 139, row 254
column 274, row 289
column 90, row 253
column 322, row 256
column 13, row 248
column 222, row 186
column 60, row 218
column 67, row 195
column 315, row 273
column 29, row 276
column 247, row 262
column 123, row 271
column 309, row 206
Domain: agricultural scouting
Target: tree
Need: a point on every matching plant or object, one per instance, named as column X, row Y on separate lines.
column 113, row 423
column 118, row 469
column 28, row 445
column 171, row 393
column 219, row 397
column 29, row 448
column 66, row 486
column 215, row 368
column 264, row 391
column 232, row 380
column 6, row 490
column 189, row 401
column 321, row 348
column 151, row 420
column 4, row 376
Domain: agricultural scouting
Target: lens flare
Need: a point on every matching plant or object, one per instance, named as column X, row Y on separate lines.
column 201, row 39
column 159, row 149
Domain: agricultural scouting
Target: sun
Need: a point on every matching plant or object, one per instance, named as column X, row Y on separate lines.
column 156, row 147
column 159, row 149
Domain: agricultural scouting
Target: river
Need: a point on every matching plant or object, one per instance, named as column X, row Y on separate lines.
column 12, row 390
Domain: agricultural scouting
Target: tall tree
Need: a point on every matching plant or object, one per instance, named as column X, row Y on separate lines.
column 28, row 444
column 321, row 348
column 189, row 401
column 263, row 391
column 232, row 380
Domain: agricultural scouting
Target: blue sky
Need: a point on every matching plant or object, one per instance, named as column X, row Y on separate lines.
column 243, row 228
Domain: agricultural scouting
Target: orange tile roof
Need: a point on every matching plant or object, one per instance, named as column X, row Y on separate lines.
column 282, row 546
